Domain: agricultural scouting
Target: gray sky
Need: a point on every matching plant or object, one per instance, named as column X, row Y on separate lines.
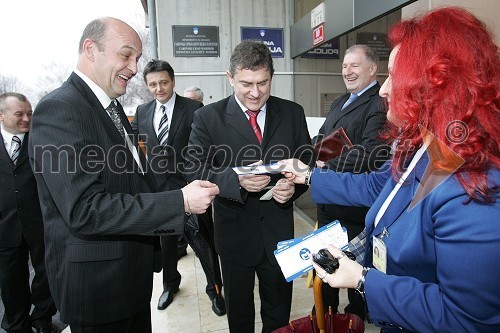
column 35, row 33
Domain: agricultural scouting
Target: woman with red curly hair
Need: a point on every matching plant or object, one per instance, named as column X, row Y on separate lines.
column 435, row 206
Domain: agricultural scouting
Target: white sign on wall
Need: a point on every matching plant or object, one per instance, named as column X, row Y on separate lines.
column 318, row 15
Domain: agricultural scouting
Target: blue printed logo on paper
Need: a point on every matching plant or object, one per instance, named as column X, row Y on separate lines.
column 195, row 30
column 305, row 254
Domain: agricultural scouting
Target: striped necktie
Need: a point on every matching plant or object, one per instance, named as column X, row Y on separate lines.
column 16, row 143
column 163, row 127
column 115, row 117
column 253, row 122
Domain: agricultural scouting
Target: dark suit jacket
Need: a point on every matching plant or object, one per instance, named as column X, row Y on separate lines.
column 20, row 212
column 97, row 209
column 167, row 164
column 222, row 138
column 363, row 120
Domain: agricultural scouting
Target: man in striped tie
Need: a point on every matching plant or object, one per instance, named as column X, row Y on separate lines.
column 165, row 124
column 21, row 227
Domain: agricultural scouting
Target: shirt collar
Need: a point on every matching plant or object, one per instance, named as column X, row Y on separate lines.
column 7, row 136
column 244, row 108
column 98, row 92
column 169, row 105
column 374, row 82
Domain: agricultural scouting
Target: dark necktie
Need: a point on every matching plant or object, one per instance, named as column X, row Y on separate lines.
column 254, row 124
column 115, row 117
column 163, row 127
column 16, row 142
column 351, row 99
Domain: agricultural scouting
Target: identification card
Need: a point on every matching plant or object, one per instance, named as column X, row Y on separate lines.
column 379, row 254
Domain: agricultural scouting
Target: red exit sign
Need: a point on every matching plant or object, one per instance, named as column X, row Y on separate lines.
column 318, row 35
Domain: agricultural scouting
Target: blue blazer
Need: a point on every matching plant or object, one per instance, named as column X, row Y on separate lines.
column 443, row 256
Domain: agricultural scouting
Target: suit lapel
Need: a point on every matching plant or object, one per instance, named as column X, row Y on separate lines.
column 4, row 154
column 150, row 126
column 97, row 108
column 108, row 124
column 177, row 116
column 23, row 154
column 403, row 197
column 273, row 121
column 364, row 98
column 134, row 139
column 235, row 118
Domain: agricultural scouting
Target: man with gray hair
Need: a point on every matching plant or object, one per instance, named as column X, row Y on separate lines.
column 361, row 113
column 194, row 93
column 21, row 226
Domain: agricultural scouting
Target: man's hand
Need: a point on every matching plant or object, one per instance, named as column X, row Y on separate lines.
column 295, row 170
column 254, row 183
column 283, row 190
column 198, row 195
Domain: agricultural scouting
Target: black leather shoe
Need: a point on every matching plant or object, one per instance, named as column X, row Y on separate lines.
column 43, row 326
column 166, row 298
column 218, row 305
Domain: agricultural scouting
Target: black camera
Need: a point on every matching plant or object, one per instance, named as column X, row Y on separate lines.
column 326, row 260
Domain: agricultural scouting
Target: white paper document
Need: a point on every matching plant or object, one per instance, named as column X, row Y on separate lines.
column 294, row 255
column 259, row 169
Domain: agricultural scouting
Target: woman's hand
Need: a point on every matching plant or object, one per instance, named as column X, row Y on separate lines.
column 295, row 170
column 346, row 276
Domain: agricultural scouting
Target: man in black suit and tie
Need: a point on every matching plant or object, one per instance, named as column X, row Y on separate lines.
column 250, row 127
column 361, row 112
column 21, row 226
column 95, row 189
column 165, row 124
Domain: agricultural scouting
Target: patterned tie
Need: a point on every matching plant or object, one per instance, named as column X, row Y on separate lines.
column 115, row 117
column 163, row 127
column 16, row 143
column 351, row 99
column 254, row 124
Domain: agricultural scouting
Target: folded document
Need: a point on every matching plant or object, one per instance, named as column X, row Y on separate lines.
column 294, row 255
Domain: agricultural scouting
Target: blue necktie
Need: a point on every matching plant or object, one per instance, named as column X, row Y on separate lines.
column 16, row 142
column 351, row 99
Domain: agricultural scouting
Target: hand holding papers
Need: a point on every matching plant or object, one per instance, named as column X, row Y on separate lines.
column 259, row 169
column 294, row 256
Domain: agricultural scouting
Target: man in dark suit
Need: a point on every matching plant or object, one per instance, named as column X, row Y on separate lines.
column 247, row 229
column 95, row 190
column 167, row 160
column 361, row 112
column 21, row 226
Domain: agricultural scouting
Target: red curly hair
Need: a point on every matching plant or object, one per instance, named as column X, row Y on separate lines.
column 446, row 79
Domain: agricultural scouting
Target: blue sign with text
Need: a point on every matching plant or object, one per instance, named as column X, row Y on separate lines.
column 272, row 37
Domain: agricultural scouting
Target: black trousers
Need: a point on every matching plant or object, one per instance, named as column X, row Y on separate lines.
column 275, row 296
column 140, row 323
column 17, row 296
column 171, row 276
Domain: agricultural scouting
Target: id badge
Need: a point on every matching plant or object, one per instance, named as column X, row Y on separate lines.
column 379, row 254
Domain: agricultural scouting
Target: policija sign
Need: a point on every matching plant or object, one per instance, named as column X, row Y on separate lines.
column 272, row 37
column 328, row 50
